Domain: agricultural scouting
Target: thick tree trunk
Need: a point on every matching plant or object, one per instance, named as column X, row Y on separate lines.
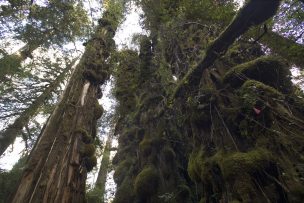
column 58, row 165
column 12, row 131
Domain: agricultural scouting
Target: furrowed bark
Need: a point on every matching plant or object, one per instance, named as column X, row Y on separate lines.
column 58, row 165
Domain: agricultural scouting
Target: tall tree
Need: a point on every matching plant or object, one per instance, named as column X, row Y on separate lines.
column 56, row 23
column 228, row 129
column 58, row 164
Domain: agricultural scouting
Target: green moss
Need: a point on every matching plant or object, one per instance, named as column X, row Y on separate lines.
column 98, row 110
column 85, row 137
column 95, row 77
column 169, row 154
column 237, row 163
column 146, row 182
column 253, row 91
column 121, row 170
column 90, row 162
column 125, row 192
column 183, row 193
column 87, row 150
column 145, row 147
column 269, row 70
column 196, row 165
column 127, row 136
column 243, row 127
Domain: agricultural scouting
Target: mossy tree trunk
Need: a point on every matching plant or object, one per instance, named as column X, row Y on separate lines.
column 9, row 135
column 231, row 133
column 57, row 168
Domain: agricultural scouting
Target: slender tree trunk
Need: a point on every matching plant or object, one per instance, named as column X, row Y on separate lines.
column 9, row 135
column 100, row 184
column 58, row 165
column 286, row 48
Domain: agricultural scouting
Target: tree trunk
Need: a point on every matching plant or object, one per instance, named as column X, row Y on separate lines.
column 58, row 165
column 100, row 184
column 12, row 131
column 234, row 135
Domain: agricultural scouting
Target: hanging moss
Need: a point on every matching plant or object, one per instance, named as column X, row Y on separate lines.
column 121, row 170
column 87, row 150
column 268, row 69
column 183, row 194
column 125, row 192
column 127, row 136
column 253, row 91
column 98, row 110
column 95, row 77
column 234, row 164
column 146, row 182
column 196, row 165
column 148, row 144
column 168, row 153
column 90, row 162
column 85, row 137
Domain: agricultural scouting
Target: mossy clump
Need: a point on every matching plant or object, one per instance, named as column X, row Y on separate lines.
column 169, row 154
column 253, row 91
column 270, row 70
column 196, row 165
column 98, row 112
column 85, row 137
column 87, row 150
column 125, row 192
column 146, row 182
column 183, row 194
column 234, row 164
column 147, row 145
column 127, row 136
column 90, row 162
column 121, row 170
column 95, row 77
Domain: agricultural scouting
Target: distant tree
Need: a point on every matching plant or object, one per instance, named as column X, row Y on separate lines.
column 9, row 135
column 56, row 23
column 9, row 179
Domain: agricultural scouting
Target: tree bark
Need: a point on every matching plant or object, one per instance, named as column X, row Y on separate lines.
column 12, row 131
column 100, row 184
column 58, row 165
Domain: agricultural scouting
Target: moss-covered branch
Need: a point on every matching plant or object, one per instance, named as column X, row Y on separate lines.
column 253, row 13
